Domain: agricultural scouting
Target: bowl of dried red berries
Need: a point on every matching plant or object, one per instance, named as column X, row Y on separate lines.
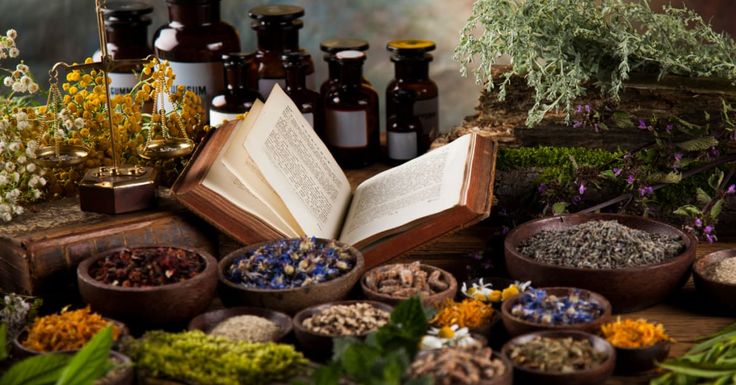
column 149, row 286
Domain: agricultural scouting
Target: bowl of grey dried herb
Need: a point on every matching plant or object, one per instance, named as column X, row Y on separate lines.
column 634, row 262
column 560, row 358
column 249, row 324
column 714, row 275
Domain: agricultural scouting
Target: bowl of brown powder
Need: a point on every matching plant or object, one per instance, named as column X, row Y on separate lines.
column 714, row 275
column 249, row 324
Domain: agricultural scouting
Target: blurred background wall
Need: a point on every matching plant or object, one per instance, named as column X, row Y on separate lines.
column 65, row 30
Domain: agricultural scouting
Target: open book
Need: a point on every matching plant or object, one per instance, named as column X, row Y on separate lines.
column 270, row 176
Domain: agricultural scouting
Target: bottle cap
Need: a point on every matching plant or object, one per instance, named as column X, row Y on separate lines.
column 333, row 46
column 409, row 47
column 350, row 55
column 276, row 13
column 120, row 11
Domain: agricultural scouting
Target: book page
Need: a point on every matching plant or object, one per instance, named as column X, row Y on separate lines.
column 237, row 160
column 299, row 166
column 421, row 187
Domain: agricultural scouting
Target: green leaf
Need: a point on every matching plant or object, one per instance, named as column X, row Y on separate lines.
column 715, row 211
column 559, row 208
column 358, row 358
column 622, row 120
column 608, row 174
column 89, row 363
column 688, row 211
column 3, row 342
column 699, row 144
column 409, row 317
column 699, row 370
column 669, row 178
column 702, row 196
column 327, row 375
column 43, row 369
column 602, row 126
column 715, row 180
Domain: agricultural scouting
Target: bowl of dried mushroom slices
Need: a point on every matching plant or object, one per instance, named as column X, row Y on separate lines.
column 394, row 283
column 316, row 326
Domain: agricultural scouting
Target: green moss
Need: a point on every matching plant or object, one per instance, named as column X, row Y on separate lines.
column 555, row 162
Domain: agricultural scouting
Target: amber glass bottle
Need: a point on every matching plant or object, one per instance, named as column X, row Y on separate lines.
column 193, row 42
column 277, row 31
column 308, row 101
column 240, row 88
column 403, row 129
column 411, row 59
column 332, row 46
column 126, row 28
column 351, row 114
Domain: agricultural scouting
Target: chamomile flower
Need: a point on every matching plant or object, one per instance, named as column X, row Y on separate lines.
column 447, row 336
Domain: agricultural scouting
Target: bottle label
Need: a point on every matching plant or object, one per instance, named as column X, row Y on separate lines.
column 402, row 145
column 122, row 83
column 204, row 79
column 266, row 85
column 310, row 118
column 347, row 129
column 217, row 118
column 427, row 112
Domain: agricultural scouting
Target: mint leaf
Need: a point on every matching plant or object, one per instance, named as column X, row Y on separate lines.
column 89, row 363
column 43, row 369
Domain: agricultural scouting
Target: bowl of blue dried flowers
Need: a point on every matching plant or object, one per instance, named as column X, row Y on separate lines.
column 289, row 275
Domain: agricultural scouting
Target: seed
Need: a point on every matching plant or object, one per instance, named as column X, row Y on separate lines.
column 723, row 271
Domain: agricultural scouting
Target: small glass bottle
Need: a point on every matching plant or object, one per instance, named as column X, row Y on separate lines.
column 403, row 129
column 308, row 101
column 240, row 93
column 126, row 28
column 193, row 42
column 277, row 31
column 411, row 59
column 351, row 114
column 332, row 46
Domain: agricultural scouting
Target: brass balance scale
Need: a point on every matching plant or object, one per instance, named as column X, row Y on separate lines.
column 117, row 188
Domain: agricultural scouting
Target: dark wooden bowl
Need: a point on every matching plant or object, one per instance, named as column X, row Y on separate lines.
column 718, row 293
column 20, row 351
column 516, row 326
column 653, row 283
column 150, row 306
column 433, row 300
column 207, row 321
column 631, row 361
column 596, row 375
column 126, row 376
column 319, row 346
column 288, row 301
column 507, row 378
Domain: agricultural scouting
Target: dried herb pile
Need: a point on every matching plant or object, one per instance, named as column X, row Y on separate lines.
column 406, row 280
column 536, row 305
column 600, row 245
column 347, row 320
column 68, row 330
column 458, row 366
column 563, row 355
column 144, row 267
column 629, row 333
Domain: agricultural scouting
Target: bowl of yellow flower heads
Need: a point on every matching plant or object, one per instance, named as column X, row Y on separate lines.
column 493, row 290
column 639, row 344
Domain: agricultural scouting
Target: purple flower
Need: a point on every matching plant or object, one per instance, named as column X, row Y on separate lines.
column 646, row 190
column 731, row 189
column 577, row 124
column 587, row 108
column 698, row 222
column 710, row 238
column 668, row 128
column 630, row 179
column 581, row 189
column 579, row 109
column 643, row 124
column 617, row 171
column 708, row 229
column 714, row 152
column 542, row 188
column 678, row 156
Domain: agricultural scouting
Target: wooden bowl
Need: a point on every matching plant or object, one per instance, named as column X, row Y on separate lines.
column 319, row 346
column 126, row 374
column 637, row 360
column 516, row 326
column 720, row 294
column 20, row 351
column 507, row 378
column 292, row 300
column 628, row 289
column 207, row 321
column 433, row 300
column 595, row 375
column 154, row 305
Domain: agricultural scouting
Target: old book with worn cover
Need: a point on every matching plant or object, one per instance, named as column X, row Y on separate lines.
column 270, row 176
column 40, row 250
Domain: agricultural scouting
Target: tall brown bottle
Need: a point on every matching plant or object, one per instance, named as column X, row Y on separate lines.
column 308, row 101
column 193, row 42
column 240, row 89
column 277, row 31
column 403, row 129
column 351, row 115
column 126, row 28
column 332, row 46
column 411, row 59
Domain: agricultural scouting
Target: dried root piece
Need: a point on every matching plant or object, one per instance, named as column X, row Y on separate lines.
column 458, row 366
